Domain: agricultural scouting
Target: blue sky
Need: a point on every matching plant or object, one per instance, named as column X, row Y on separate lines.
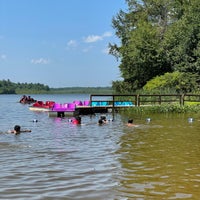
column 60, row 43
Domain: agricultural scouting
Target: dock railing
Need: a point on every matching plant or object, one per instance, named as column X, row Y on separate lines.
column 158, row 99
column 191, row 98
column 113, row 100
column 128, row 100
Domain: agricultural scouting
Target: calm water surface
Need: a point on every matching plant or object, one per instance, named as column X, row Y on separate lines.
column 159, row 159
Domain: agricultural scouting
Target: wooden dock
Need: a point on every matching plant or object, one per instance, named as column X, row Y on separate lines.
column 148, row 99
column 105, row 103
column 81, row 110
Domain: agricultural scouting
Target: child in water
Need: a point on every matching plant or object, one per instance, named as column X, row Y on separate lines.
column 130, row 122
column 103, row 120
column 77, row 120
column 17, row 130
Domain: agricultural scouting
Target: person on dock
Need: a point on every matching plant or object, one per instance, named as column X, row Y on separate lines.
column 17, row 130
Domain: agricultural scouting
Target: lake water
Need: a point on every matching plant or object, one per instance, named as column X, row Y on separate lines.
column 156, row 160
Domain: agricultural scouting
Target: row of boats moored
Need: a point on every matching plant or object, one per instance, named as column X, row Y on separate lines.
column 58, row 107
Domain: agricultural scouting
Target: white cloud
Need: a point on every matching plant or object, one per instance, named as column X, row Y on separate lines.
column 95, row 38
column 3, row 57
column 40, row 61
column 72, row 43
column 92, row 38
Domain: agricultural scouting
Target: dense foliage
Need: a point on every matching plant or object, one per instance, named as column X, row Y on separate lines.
column 164, row 108
column 8, row 87
column 176, row 82
column 157, row 36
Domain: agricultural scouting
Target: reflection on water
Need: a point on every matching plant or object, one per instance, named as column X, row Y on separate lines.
column 159, row 159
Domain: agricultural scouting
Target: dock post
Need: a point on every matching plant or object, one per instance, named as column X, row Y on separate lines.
column 113, row 106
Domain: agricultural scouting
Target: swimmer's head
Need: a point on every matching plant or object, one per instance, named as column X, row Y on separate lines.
column 78, row 118
column 100, row 121
column 17, row 128
column 103, row 117
column 130, row 121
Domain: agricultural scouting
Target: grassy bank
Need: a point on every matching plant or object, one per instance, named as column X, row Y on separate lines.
column 164, row 108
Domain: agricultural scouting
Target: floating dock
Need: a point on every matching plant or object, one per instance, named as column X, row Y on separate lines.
column 80, row 110
column 90, row 107
column 104, row 103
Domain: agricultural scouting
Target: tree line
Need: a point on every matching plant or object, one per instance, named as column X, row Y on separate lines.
column 8, row 87
column 159, row 46
column 82, row 90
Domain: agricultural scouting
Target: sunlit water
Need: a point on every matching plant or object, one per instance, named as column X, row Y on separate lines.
column 159, row 159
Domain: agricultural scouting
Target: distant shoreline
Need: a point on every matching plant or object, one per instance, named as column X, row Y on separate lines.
column 81, row 90
column 9, row 87
column 67, row 90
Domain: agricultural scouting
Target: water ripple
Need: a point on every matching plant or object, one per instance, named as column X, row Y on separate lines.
column 57, row 160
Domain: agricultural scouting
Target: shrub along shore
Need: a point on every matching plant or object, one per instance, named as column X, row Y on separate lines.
column 165, row 108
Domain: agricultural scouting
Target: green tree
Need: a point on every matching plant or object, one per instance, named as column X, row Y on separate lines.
column 182, row 41
column 8, row 87
column 176, row 82
column 157, row 36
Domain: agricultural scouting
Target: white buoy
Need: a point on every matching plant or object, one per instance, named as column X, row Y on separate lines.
column 190, row 119
column 148, row 119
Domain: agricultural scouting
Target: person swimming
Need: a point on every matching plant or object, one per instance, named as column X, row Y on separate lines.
column 76, row 120
column 17, row 130
column 102, row 120
column 130, row 122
